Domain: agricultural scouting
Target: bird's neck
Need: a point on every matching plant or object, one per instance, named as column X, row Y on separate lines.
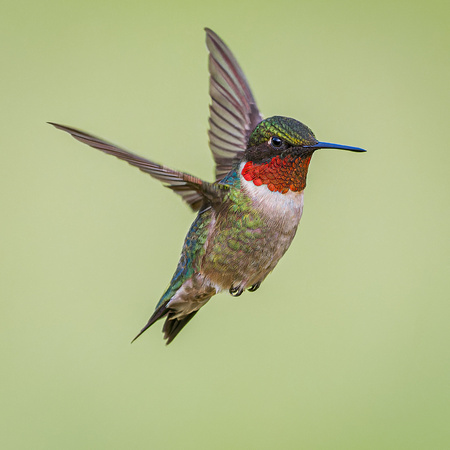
column 279, row 174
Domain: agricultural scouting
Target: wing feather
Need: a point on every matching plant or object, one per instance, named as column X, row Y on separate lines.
column 187, row 186
column 233, row 110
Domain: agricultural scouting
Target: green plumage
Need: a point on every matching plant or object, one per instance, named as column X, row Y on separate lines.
column 291, row 130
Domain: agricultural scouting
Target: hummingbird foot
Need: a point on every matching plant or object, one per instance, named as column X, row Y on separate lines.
column 236, row 291
column 254, row 287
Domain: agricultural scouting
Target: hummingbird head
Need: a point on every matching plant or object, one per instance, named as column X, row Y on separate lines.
column 278, row 154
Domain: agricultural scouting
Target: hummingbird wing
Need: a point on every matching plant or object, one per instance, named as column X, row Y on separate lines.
column 233, row 110
column 190, row 188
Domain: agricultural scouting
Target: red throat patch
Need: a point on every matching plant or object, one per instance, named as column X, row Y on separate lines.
column 281, row 175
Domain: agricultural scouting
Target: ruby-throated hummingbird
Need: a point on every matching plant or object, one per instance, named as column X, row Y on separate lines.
column 249, row 215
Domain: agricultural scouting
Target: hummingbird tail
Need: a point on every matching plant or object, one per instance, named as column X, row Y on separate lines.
column 173, row 326
column 179, row 304
column 158, row 314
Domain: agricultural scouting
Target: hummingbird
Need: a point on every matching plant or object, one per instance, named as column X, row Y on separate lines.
column 246, row 218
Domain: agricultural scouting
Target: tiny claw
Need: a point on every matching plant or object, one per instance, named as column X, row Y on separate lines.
column 254, row 287
column 236, row 291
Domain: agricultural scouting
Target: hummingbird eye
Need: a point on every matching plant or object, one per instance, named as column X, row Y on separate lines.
column 276, row 142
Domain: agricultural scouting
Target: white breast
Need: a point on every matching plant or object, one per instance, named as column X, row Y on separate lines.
column 283, row 209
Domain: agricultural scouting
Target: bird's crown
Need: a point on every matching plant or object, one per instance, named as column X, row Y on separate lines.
column 285, row 129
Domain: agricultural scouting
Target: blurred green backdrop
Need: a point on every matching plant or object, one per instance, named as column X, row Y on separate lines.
column 345, row 346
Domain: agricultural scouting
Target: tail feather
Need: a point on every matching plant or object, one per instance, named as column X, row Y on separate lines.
column 173, row 326
column 161, row 312
column 186, row 294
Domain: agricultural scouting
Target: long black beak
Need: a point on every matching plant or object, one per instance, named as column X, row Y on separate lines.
column 337, row 146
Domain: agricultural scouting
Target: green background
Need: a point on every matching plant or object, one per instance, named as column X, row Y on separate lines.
column 345, row 346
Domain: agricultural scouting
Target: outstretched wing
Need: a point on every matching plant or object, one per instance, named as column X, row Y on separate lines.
column 233, row 110
column 190, row 188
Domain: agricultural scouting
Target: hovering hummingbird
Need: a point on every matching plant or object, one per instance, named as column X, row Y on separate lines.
column 249, row 215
